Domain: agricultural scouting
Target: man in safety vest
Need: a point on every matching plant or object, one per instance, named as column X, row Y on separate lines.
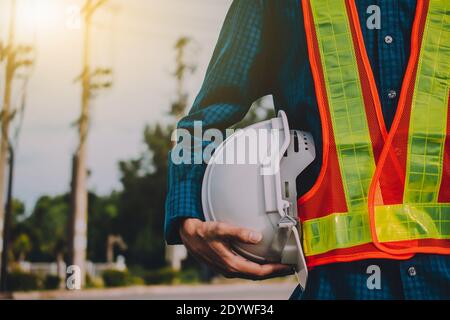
column 371, row 81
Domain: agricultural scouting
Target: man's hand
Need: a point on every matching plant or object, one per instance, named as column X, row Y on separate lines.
column 209, row 243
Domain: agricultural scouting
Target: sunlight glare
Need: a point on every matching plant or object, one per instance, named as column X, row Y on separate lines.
column 39, row 14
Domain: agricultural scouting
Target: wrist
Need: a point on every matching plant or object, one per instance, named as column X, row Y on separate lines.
column 188, row 225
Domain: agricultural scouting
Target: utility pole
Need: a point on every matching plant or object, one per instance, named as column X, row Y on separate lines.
column 8, row 220
column 9, row 55
column 182, row 69
column 7, row 224
column 78, row 232
column 14, row 60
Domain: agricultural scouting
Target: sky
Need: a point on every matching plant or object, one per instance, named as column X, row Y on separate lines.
column 133, row 37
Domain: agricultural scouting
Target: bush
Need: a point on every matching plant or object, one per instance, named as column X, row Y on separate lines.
column 96, row 282
column 23, row 281
column 136, row 281
column 189, row 276
column 115, row 278
column 51, row 282
column 161, row 276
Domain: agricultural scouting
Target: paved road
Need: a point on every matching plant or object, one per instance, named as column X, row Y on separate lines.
column 241, row 291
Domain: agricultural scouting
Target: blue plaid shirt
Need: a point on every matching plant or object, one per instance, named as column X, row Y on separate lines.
column 262, row 50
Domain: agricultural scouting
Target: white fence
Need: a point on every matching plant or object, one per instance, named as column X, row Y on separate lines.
column 94, row 270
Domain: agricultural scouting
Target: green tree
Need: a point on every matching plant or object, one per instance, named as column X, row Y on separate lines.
column 21, row 246
column 141, row 204
column 43, row 235
column 47, row 227
column 144, row 179
column 103, row 213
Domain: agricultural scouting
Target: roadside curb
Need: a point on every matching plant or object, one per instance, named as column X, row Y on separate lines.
column 117, row 293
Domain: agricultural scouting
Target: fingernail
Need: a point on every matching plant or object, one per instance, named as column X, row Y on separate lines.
column 255, row 237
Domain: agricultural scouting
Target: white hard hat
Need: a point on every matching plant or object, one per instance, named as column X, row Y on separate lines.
column 258, row 192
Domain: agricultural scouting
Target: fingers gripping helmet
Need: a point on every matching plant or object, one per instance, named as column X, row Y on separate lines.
column 250, row 182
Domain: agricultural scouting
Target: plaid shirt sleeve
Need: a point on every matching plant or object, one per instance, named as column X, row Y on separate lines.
column 234, row 80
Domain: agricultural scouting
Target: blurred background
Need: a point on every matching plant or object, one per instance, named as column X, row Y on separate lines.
column 90, row 93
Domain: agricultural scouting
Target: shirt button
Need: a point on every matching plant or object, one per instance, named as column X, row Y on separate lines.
column 392, row 94
column 412, row 272
column 388, row 39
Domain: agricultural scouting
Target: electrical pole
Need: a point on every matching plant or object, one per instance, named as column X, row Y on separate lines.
column 12, row 54
column 78, row 232
column 7, row 224
column 182, row 69
column 9, row 55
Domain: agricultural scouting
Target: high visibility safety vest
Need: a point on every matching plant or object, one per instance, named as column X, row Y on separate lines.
column 379, row 194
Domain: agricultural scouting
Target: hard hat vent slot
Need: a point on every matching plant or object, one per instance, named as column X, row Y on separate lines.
column 296, row 143
column 286, row 189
